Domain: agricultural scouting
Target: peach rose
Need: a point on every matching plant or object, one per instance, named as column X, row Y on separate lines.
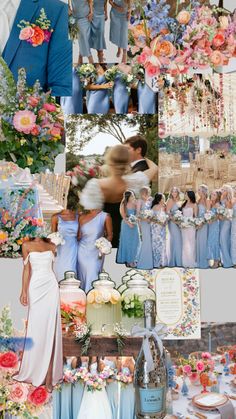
column 26, row 33
column 18, row 393
column 38, row 36
column 217, row 58
column 163, row 48
column 183, row 17
column 224, row 22
column 33, row 101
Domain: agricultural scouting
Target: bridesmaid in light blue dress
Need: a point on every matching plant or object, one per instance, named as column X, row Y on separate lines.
column 93, row 225
column 158, row 233
column 225, row 228
column 119, row 19
column 98, row 100
column 175, row 236
column 127, row 393
column 74, row 104
column 82, row 11
column 213, row 241
column 202, row 233
column 233, row 235
column 67, row 224
column 120, row 96
column 112, row 387
column 97, row 38
column 77, row 392
column 62, row 399
column 129, row 244
column 145, row 258
column 146, row 99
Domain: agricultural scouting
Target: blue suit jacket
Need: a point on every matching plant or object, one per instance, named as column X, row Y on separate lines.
column 50, row 63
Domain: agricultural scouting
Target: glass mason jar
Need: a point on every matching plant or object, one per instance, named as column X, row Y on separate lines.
column 73, row 302
column 132, row 299
column 126, row 278
column 103, row 306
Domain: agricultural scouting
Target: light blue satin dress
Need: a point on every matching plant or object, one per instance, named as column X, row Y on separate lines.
column 120, row 96
column 66, row 259
column 73, row 104
column 158, row 233
column 175, row 242
column 62, row 399
column 119, row 25
column 145, row 259
column 225, row 242
column 146, row 99
column 127, row 400
column 98, row 100
column 77, row 395
column 97, row 38
column 233, row 236
column 112, row 390
column 201, row 244
column 81, row 11
column 89, row 263
column 213, row 241
column 129, row 244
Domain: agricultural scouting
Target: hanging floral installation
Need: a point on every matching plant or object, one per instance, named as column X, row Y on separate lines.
column 31, row 123
column 197, row 105
column 197, row 36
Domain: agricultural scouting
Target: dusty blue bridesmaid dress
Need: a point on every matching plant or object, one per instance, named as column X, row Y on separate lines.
column 146, row 99
column 127, row 400
column 120, row 96
column 225, row 241
column 73, row 104
column 233, row 236
column 81, row 11
column 62, row 399
column 129, row 244
column 119, row 25
column 201, row 244
column 89, row 263
column 77, row 394
column 98, row 100
column 158, row 233
column 112, row 390
column 66, row 259
column 175, row 241
column 213, row 241
column 97, row 38
column 145, row 258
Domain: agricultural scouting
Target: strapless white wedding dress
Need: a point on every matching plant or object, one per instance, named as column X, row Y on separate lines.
column 92, row 197
column 43, row 324
column 95, row 404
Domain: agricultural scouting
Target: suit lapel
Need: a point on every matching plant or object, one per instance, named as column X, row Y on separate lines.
column 26, row 11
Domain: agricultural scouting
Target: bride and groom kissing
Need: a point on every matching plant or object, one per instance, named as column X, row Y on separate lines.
column 127, row 168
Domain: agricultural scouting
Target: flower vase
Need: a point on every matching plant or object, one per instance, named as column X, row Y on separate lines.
column 184, row 389
column 194, row 379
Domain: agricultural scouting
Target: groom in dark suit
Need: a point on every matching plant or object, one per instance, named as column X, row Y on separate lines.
column 138, row 149
column 50, row 61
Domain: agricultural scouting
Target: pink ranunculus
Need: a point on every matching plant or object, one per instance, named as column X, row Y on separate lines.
column 33, row 101
column 18, row 392
column 50, row 107
column 24, row 121
column 35, row 130
column 183, row 17
column 200, row 366
column 152, row 70
column 217, row 58
column 26, row 33
column 187, row 369
column 55, row 132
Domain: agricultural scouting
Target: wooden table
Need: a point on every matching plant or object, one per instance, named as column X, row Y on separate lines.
column 102, row 346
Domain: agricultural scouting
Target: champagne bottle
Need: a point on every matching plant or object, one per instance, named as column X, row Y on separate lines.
column 150, row 387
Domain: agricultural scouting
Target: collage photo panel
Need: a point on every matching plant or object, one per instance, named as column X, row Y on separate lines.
column 117, row 209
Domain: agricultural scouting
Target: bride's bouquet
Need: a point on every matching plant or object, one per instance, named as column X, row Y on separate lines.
column 87, row 73
column 187, row 222
column 104, row 246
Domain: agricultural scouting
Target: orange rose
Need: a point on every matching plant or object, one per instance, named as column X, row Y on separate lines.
column 38, row 36
column 183, row 17
column 164, row 48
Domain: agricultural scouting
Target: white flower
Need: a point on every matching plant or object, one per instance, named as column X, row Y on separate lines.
column 103, row 245
column 56, row 238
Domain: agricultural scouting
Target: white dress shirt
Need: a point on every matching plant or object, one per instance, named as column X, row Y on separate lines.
column 8, row 10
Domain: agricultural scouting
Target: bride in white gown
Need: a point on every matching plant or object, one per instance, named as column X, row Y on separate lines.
column 95, row 404
column 43, row 363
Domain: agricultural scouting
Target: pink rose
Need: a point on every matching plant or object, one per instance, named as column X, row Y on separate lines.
column 55, row 132
column 217, row 58
column 33, row 101
column 152, row 70
column 187, row 369
column 26, row 33
column 50, row 107
column 206, row 355
column 18, row 392
column 183, row 17
column 200, row 366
